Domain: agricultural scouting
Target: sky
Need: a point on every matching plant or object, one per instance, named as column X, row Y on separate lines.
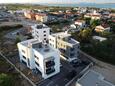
column 56, row 1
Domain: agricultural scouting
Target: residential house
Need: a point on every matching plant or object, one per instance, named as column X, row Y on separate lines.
column 41, row 17
column 102, row 28
column 80, row 23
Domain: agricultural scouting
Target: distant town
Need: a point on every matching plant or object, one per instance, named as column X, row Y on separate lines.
column 56, row 46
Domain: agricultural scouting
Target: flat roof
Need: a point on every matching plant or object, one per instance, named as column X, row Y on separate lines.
column 71, row 40
column 99, row 38
column 92, row 78
column 65, row 37
column 38, row 46
column 43, row 49
column 40, row 26
column 61, row 34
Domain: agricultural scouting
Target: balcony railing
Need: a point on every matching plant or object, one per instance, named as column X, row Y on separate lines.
column 50, row 70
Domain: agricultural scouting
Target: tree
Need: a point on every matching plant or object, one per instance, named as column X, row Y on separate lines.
column 85, row 35
column 88, row 21
column 94, row 23
column 5, row 80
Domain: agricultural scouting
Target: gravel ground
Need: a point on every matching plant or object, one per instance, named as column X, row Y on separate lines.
column 108, row 71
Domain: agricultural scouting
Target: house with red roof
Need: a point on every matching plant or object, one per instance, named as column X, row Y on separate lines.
column 102, row 28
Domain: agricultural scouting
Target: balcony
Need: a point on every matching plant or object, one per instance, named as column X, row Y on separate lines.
column 50, row 70
column 50, row 63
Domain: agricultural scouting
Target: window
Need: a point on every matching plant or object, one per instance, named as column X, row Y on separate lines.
column 50, row 70
column 44, row 34
column 23, row 51
column 28, row 62
column 24, row 57
column 37, row 63
column 50, row 63
column 36, row 57
column 44, row 38
column 44, row 31
column 77, row 52
column 71, row 54
column 78, row 46
column 72, row 49
column 24, row 62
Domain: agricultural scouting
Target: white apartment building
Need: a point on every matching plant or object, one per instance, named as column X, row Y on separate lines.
column 40, row 56
column 40, row 32
column 68, row 47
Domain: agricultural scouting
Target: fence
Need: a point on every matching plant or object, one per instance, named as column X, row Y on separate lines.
column 80, row 74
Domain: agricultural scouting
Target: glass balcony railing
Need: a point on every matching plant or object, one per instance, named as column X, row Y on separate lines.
column 50, row 70
column 50, row 63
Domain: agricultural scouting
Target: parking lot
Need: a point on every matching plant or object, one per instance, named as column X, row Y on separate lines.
column 67, row 72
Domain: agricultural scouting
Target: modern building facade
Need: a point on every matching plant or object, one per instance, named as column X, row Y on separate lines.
column 68, row 47
column 40, row 32
column 40, row 56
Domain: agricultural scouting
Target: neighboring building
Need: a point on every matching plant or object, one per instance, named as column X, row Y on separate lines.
column 40, row 32
column 112, row 15
column 92, row 78
column 80, row 23
column 102, row 28
column 41, row 17
column 99, row 38
column 73, row 26
column 36, row 16
column 68, row 47
column 106, row 15
column 94, row 15
column 39, row 56
column 29, row 15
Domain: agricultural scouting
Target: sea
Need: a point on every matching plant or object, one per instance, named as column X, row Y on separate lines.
column 107, row 5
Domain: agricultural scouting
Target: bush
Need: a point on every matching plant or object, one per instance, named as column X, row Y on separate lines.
column 5, row 80
column 4, row 28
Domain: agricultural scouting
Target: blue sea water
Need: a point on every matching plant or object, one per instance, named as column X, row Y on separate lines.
column 85, row 5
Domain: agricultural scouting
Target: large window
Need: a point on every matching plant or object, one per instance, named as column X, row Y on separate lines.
column 44, row 34
column 50, row 63
column 50, row 70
